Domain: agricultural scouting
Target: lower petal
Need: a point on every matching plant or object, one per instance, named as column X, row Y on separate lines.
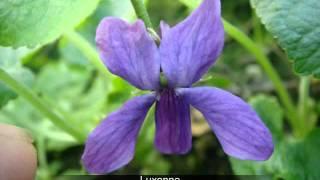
column 173, row 126
column 111, row 145
column 238, row 128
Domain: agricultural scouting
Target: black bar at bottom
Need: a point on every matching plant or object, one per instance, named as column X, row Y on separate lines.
column 170, row 177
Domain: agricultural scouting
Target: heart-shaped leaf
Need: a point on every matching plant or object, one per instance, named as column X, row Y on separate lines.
column 296, row 26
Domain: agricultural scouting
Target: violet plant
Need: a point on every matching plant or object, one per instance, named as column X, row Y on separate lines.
column 184, row 55
column 64, row 89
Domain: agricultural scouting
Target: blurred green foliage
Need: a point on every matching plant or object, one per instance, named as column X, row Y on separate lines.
column 47, row 20
column 10, row 62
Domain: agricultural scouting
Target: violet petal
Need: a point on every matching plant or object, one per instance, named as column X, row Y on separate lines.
column 188, row 49
column 129, row 52
column 112, row 144
column 238, row 128
column 164, row 28
column 173, row 126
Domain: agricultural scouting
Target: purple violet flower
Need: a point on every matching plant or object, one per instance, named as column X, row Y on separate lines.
column 185, row 53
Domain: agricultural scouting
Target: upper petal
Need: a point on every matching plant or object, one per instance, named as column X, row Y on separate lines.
column 164, row 28
column 129, row 52
column 238, row 128
column 189, row 49
column 173, row 125
column 111, row 145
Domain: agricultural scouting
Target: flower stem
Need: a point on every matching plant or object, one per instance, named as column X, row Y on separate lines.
column 34, row 100
column 42, row 158
column 303, row 105
column 264, row 62
column 87, row 49
column 142, row 12
column 304, row 94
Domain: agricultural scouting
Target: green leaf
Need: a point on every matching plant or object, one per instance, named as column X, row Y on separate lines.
column 292, row 159
column 33, row 22
column 270, row 112
column 301, row 160
column 9, row 61
column 270, row 167
column 295, row 24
